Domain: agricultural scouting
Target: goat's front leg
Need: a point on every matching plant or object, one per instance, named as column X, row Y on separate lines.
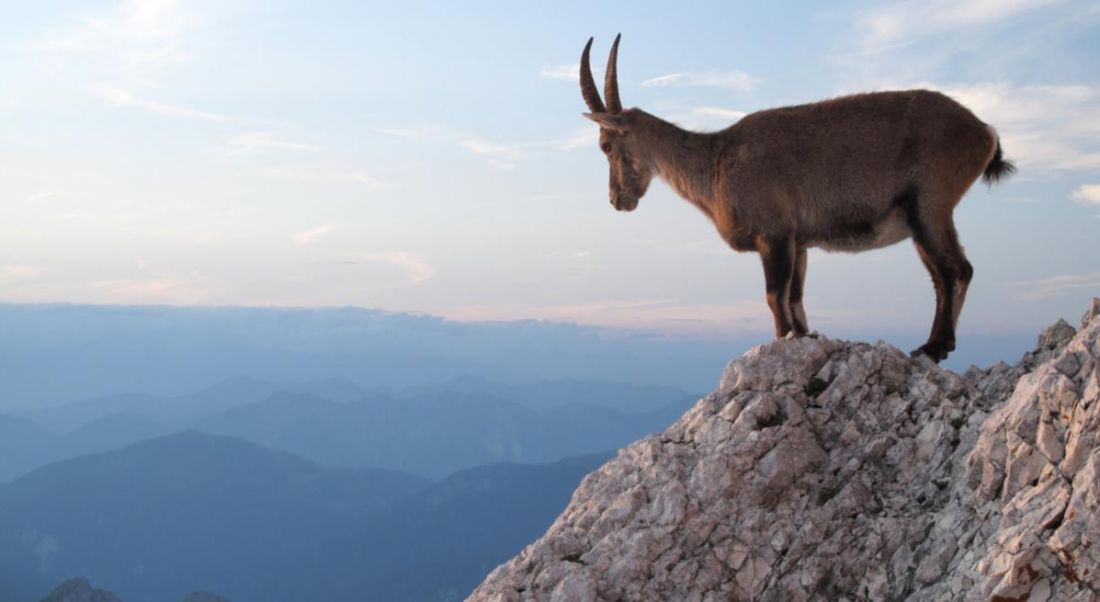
column 779, row 255
column 798, row 282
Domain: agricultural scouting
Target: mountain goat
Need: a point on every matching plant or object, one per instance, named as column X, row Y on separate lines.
column 848, row 174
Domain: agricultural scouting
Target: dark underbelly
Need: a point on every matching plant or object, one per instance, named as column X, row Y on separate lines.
column 864, row 236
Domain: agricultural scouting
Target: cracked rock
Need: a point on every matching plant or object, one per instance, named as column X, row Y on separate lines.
column 825, row 469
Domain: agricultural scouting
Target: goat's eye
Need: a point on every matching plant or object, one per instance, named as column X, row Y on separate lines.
column 606, row 146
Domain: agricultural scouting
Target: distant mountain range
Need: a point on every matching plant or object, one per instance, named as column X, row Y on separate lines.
column 192, row 511
column 23, row 585
column 54, row 353
column 430, row 546
column 272, row 492
column 296, row 482
column 182, row 410
column 434, row 434
column 549, row 394
column 431, row 430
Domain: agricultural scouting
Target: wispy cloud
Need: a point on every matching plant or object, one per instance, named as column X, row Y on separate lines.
column 500, row 156
column 321, row 172
column 416, row 269
column 255, row 143
column 571, row 255
column 310, row 236
column 1056, row 286
column 719, row 112
column 507, row 156
column 19, row 271
column 370, row 180
column 564, row 196
column 705, row 117
column 1089, row 193
column 41, row 196
column 867, row 52
column 135, row 38
column 566, row 72
column 120, row 52
column 917, row 17
column 1043, row 127
column 124, row 98
column 582, row 138
column 415, row 131
column 731, row 79
column 159, row 288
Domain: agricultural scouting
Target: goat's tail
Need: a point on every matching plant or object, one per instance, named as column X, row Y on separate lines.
column 999, row 168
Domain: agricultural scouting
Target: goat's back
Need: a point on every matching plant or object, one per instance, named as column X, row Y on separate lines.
column 845, row 160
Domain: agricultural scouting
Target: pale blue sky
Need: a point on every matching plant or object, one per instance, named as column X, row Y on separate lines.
column 431, row 157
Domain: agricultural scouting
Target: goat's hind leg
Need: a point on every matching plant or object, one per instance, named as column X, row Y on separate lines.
column 951, row 272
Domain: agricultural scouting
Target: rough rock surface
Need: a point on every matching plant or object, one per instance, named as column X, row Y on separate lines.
column 830, row 470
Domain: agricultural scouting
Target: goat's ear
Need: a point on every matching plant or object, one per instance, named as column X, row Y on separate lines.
column 616, row 122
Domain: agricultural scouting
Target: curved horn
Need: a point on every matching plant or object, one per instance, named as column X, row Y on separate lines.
column 611, row 79
column 588, row 85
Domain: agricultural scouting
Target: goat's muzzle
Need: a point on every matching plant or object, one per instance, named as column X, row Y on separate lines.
column 624, row 203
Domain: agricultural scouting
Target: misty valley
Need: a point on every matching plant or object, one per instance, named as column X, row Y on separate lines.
column 400, row 486
column 266, row 491
column 308, row 454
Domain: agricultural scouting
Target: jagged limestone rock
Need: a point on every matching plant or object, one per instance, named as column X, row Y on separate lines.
column 830, row 470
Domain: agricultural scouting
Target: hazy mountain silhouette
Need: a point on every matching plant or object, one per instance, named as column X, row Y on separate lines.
column 548, row 394
column 58, row 353
column 22, row 585
column 112, row 431
column 177, row 513
column 435, row 545
column 181, row 410
column 434, row 434
column 190, row 511
column 432, row 430
column 24, row 445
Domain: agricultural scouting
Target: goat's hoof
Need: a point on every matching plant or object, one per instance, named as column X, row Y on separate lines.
column 934, row 351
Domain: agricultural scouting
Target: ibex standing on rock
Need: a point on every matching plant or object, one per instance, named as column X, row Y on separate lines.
column 849, row 174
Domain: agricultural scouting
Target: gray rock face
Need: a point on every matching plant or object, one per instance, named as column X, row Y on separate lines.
column 828, row 470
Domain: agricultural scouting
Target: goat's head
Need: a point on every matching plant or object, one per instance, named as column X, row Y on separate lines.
column 630, row 169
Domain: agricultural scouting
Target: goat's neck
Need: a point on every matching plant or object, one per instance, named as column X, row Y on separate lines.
column 683, row 159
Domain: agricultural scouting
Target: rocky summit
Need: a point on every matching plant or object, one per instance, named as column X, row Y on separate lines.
column 834, row 470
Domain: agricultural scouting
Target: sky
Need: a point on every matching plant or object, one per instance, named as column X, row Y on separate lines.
column 431, row 156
